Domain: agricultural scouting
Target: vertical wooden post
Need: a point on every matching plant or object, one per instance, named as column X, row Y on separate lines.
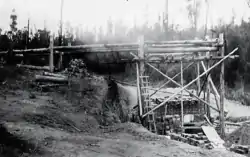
column 51, row 57
column 60, row 60
column 141, row 55
column 182, row 116
column 222, row 88
column 138, row 89
column 141, row 70
column 208, row 91
column 198, row 81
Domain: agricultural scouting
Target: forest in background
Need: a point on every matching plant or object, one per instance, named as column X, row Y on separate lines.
column 236, row 70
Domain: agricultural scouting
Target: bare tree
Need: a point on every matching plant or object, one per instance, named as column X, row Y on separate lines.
column 193, row 8
column 13, row 24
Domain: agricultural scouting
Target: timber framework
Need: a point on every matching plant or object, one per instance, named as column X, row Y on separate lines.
column 145, row 54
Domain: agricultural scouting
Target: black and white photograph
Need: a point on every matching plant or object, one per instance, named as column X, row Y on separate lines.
column 124, row 78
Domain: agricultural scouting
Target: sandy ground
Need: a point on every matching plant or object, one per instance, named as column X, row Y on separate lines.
column 59, row 127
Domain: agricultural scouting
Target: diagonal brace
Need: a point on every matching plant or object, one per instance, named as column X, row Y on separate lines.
column 181, row 87
column 215, row 92
column 204, row 73
column 169, row 80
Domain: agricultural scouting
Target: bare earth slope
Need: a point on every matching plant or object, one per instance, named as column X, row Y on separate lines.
column 57, row 126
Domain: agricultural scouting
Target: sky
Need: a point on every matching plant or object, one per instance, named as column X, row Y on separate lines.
column 94, row 13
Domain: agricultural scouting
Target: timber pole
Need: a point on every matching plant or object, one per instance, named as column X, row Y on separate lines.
column 140, row 72
column 198, row 80
column 222, row 89
column 51, row 57
column 182, row 116
column 208, row 90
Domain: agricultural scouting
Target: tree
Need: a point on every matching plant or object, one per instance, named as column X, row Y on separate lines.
column 193, row 8
column 13, row 24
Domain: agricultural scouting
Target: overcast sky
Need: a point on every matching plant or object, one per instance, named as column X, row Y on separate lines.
column 90, row 13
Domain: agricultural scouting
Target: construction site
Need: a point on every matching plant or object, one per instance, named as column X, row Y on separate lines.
column 56, row 111
column 162, row 95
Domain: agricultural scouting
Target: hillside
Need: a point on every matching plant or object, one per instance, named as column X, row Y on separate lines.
column 58, row 123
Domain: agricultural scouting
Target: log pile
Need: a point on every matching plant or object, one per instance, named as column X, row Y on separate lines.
column 199, row 140
column 191, row 105
column 240, row 149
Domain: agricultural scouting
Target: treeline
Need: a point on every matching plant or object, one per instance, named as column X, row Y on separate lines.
column 117, row 32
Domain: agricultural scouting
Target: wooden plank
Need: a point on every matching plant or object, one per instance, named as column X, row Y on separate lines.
column 204, row 73
column 213, row 137
column 222, row 89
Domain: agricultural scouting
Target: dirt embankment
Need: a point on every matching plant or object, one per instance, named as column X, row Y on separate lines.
column 64, row 122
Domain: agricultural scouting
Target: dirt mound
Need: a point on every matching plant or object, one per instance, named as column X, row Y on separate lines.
column 13, row 146
column 240, row 136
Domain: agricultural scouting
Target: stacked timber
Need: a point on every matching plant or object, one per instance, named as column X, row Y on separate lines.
column 191, row 105
column 199, row 140
column 240, row 149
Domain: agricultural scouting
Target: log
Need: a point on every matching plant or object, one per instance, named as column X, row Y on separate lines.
column 183, row 42
column 42, row 78
column 181, row 45
column 49, row 85
column 182, row 49
column 32, row 50
column 32, row 67
column 53, row 74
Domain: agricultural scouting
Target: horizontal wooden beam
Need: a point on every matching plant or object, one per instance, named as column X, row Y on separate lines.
column 33, row 67
column 31, row 50
column 181, row 49
column 153, row 58
column 182, row 45
column 183, row 42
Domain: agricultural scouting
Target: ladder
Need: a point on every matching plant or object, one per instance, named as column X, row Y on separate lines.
column 146, row 103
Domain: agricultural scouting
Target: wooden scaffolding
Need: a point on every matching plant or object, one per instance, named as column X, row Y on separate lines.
column 196, row 52
column 145, row 54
